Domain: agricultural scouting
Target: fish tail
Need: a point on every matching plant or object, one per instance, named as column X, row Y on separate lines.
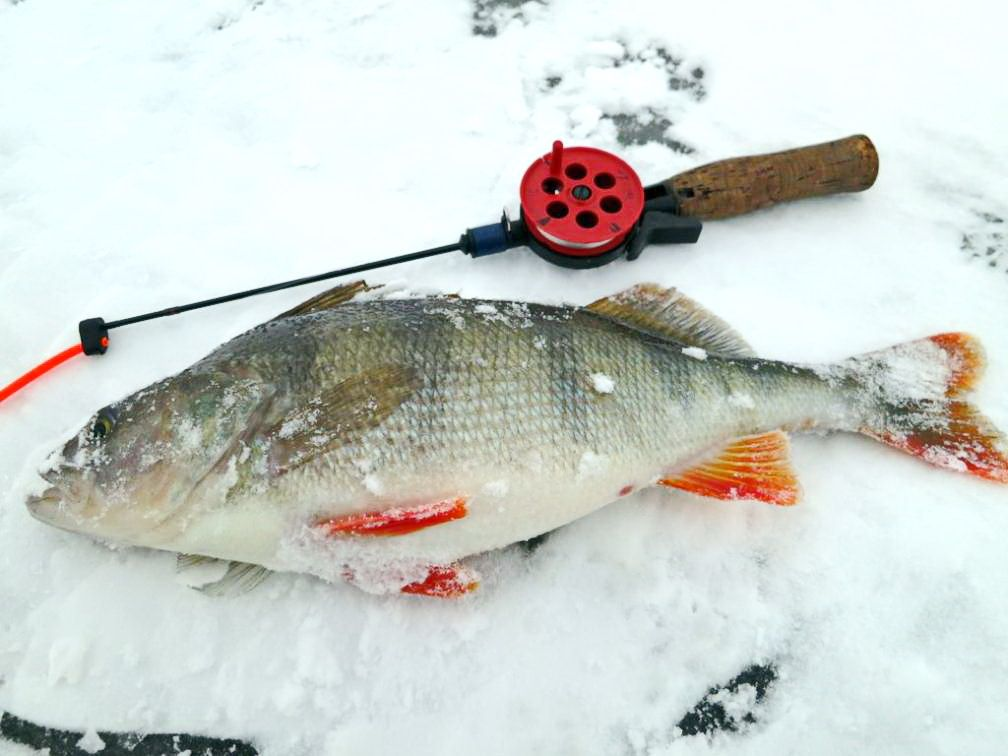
column 908, row 397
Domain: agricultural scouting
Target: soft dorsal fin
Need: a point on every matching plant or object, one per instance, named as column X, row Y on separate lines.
column 751, row 467
column 671, row 315
column 338, row 414
column 329, row 298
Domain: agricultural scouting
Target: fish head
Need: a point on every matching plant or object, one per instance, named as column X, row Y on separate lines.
column 139, row 466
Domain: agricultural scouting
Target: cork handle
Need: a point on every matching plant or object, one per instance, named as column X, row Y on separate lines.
column 740, row 185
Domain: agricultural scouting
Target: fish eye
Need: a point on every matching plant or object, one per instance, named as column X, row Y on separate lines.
column 103, row 425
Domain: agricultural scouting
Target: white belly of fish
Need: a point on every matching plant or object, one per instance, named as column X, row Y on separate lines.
column 501, row 507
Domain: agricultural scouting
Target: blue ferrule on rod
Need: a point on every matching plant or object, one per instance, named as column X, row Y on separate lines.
column 487, row 240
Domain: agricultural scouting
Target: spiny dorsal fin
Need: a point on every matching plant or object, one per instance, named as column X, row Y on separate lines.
column 338, row 414
column 328, row 299
column 671, row 315
column 751, row 467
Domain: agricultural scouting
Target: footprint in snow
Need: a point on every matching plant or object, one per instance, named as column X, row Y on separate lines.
column 986, row 241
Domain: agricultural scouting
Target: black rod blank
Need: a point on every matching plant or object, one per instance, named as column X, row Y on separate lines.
column 363, row 267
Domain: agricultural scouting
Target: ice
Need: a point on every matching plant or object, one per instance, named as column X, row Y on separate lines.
column 158, row 154
column 695, row 352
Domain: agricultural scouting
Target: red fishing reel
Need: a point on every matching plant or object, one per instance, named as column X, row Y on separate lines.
column 582, row 207
column 580, row 201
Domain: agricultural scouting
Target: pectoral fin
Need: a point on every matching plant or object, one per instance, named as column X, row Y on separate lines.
column 752, row 467
column 238, row 578
column 338, row 415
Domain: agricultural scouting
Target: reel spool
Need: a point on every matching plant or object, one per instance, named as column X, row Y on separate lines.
column 579, row 205
column 582, row 207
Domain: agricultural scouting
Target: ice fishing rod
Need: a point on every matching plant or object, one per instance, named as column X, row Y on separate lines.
column 582, row 207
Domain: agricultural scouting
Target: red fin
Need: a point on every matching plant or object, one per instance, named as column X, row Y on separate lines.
column 398, row 521
column 444, row 582
column 752, row 467
column 948, row 434
column 966, row 360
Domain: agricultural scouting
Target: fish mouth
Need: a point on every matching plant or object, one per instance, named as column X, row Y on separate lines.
column 45, row 506
column 57, row 507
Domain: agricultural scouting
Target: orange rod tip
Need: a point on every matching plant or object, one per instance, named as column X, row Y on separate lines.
column 39, row 370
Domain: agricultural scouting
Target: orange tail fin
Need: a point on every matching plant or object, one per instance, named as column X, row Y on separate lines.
column 914, row 386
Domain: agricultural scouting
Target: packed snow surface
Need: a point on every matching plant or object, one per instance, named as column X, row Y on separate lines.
column 156, row 154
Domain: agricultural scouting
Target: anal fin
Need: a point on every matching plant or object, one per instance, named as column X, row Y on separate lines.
column 396, row 521
column 752, row 467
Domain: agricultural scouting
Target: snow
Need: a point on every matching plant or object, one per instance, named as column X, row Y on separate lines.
column 592, row 464
column 497, row 488
column 742, row 400
column 91, row 742
column 157, row 154
column 603, row 383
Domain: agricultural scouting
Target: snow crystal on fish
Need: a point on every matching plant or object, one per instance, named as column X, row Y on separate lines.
column 373, row 484
column 915, row 370
column 453, row 316
column 741, row 399
column 592, row 464
column 603, row 383
column 189, row 435
column 496, row 488
column 298, row 422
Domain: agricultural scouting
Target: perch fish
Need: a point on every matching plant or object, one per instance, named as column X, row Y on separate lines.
column 382, row 440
